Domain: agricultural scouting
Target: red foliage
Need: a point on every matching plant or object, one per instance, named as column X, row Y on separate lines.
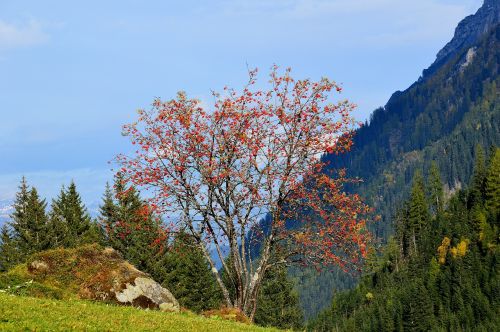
column 256, row 152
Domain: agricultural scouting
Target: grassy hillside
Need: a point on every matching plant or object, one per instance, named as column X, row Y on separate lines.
column 56, row 297
column 18, row 313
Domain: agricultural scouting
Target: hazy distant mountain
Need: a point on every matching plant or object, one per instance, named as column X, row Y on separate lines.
column 5, row 210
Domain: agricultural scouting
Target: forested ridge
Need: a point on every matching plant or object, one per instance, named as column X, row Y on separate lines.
column 440, row 119
column 440, row 270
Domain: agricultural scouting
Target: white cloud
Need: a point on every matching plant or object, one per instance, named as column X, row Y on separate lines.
column 21, row 35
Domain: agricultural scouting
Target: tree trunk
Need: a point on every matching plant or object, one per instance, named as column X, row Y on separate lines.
column 414, row 243
column 250, row 303
column 225, row 292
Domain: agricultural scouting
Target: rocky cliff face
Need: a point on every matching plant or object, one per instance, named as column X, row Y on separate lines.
column 467, row 33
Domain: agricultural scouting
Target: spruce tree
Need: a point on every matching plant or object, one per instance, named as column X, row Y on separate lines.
column 187, row 274
column 130, row 226
column 108, row 210
column 418, row 309
column 493, row 185
column 19, row 219
column 477, row 186
column 8, row 251
column 71, row 224
column 29, row 221
column 418, row 212
column 79, row 221
column 134, row 230
column 38, row 231
column 58, row 225
column 278, row 302
column 435, row 189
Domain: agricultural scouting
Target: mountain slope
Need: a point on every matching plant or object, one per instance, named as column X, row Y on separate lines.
column 391, row 146
column 440, row 118
column 440, row 272
column 468, row 31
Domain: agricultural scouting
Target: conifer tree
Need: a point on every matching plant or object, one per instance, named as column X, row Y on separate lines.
column 417, row 312
column 29, row 221
column 476, row 192
column 130, row 226
column 435, row 189
column 58, row 226
column 188, row 276
column 493, row 185
column 38, row 227
column 133, row 230
column 8, row 250
column 19, row 218
column 418, row 212
column 403, row 233
column 278, row 302
column 108, row 210
column 79, row 222
column 71, row 224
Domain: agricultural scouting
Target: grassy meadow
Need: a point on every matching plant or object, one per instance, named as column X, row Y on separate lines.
column 20, row 313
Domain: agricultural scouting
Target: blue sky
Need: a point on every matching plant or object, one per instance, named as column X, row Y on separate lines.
column 72, row 72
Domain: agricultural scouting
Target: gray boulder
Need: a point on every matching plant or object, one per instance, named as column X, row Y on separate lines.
column 147, row 293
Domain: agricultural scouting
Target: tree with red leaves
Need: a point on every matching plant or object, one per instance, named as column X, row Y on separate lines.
column 257, row 153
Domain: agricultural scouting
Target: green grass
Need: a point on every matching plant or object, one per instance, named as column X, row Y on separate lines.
column 19, row 313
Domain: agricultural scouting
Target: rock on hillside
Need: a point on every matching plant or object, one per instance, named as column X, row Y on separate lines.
column 90, row 272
